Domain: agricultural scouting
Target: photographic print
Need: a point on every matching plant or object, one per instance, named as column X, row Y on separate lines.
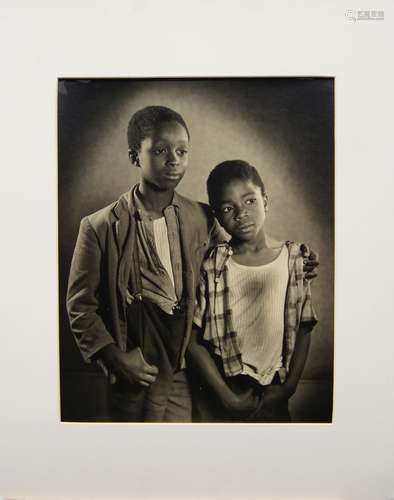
column 196, row 249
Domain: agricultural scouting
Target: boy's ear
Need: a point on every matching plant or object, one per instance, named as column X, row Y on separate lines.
column 265, row 198
column 133, row 156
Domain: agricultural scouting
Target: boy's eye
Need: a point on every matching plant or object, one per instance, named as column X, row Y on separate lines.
column 226, row 210
column 158, row 151
column 251, row 201
column 182, row 152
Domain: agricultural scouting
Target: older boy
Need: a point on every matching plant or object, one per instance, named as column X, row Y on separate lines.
column 133, row 276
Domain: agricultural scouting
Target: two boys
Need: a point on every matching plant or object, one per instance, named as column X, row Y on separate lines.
column 135, row 269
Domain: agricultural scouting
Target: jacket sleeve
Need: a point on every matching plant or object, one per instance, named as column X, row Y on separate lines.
column 83, row 305
column 217, row 234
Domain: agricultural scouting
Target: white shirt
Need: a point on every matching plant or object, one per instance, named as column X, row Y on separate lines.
column 162, row 245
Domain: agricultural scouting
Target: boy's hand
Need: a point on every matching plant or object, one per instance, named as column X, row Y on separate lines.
column 246, row 402
column 311, row 261
column 131, row 365
column 274, row 395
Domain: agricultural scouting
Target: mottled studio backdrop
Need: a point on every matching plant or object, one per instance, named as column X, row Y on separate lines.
column 285, row 127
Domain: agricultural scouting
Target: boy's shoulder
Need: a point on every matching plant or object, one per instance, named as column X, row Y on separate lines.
column 294, row 248
column 216, row 257
column 296, row 258
column 105, row 215
column 197, row 215
column 196, row 207
column 194, row 211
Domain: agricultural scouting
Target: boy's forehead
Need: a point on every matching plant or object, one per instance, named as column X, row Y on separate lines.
column 169, row 130
column 238, row 187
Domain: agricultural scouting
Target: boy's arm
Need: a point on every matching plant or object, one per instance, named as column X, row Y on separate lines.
column 92, row 337
column 86, row 324
column 274, row 394
column 217, row 233
column 200, row 360
column 298, row 360
column 308, row 320
column 301, row 349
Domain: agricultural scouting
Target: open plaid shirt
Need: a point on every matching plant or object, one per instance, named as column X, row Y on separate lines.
column 214, row 316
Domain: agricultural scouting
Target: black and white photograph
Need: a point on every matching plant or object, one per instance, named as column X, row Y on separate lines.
column 197, row 204
column 196, row 249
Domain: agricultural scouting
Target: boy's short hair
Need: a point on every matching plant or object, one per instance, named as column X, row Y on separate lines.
column 226, row 172
column 145, row 121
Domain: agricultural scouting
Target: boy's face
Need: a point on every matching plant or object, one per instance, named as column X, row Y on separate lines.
column 241, row 209
column 163, row 157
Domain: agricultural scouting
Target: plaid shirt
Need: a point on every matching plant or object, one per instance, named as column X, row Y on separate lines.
column 213, row 312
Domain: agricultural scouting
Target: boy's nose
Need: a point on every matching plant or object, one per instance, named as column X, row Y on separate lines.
column 172, row 158
column 241, row 214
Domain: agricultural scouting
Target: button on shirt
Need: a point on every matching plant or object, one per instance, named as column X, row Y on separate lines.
column 160, row 285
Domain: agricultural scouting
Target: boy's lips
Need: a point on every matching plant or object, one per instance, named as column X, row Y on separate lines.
column 245, row 227
column 172, row 177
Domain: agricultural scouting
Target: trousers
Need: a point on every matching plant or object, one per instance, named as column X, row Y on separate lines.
column 127, row 402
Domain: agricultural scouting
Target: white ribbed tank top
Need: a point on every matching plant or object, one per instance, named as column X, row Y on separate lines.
column 257, row 301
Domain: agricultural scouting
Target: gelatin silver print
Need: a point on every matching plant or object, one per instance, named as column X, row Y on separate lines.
column 196, row 250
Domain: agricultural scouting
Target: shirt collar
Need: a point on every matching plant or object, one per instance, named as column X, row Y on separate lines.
column 139, row 204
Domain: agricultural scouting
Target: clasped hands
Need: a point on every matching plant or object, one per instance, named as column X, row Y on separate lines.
column 266, row 403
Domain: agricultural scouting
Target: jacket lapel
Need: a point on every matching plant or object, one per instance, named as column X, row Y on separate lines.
column 124, row 231
column 121, row 223
column 187, row 258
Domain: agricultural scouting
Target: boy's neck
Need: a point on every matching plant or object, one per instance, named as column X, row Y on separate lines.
column 261, row 242
column 154, row 200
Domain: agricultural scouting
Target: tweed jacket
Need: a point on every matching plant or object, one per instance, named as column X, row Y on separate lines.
column 101, row 264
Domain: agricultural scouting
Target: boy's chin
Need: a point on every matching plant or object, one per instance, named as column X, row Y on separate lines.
column 243, row 238
column 165, row 186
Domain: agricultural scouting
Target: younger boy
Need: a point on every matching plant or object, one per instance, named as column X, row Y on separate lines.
column 254, row 316
column 132, row 281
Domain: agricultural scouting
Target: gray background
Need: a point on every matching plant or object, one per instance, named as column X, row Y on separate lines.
column 282, row 126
